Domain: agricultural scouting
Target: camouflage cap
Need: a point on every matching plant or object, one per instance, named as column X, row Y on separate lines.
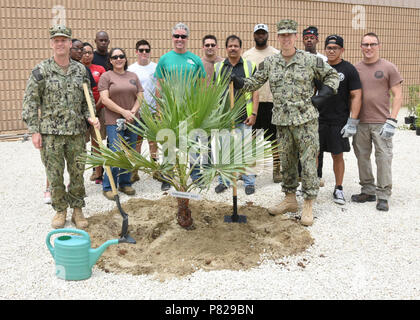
column 60, row 30
column 287, row 26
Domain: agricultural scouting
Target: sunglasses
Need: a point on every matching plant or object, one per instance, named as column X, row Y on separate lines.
column 121, row 56
column 182, row 36
column 208, row 45
column 332, row 48
column 143, row 50
column 372, row 45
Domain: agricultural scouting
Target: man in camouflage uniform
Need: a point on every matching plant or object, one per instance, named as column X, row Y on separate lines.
column 55, row 111
column 291, row 75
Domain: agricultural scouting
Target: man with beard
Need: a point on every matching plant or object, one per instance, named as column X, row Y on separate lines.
column 257, row 54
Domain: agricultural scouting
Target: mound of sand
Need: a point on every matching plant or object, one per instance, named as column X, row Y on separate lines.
column 165, row 250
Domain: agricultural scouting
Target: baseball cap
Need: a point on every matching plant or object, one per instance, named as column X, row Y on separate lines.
column 335, row 39
column 60, row 30
column 261, row 26
column 311, row 30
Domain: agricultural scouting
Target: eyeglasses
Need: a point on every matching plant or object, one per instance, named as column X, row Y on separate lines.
column 208, row 45
column 372, row 45
column 121, row 56
column 77, row 49
column 88, row 52
column 143, row 50
column 332, row 48
column 182, row 36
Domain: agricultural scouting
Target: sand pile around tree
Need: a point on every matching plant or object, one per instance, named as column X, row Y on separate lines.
column 165, row 250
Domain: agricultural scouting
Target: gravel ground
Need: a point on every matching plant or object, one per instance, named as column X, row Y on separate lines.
column 359, row 252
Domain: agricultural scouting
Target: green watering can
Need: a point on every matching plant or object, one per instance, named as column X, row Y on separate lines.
column 74, row 258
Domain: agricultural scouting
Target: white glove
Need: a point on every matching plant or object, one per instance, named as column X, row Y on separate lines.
column 388, row 129
column 350, row 128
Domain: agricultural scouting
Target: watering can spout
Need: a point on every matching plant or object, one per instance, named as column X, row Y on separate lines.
column 94, row 254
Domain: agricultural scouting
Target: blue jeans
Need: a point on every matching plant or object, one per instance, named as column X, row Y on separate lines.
column 121, row 179
column 249, row 180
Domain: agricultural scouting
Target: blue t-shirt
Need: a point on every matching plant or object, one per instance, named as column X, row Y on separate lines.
column 185, row 63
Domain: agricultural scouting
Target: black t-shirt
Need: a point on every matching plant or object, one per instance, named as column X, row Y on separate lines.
column 336, row 109
column 101, row 60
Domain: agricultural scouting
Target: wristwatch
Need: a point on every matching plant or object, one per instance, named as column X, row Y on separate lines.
column 254, row 114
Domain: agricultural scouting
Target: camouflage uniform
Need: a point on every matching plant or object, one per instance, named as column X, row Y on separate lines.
column 54, row 105
column 292, row 86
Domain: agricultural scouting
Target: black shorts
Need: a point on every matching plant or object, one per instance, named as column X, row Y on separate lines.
column 331, row 140
column 263, row 121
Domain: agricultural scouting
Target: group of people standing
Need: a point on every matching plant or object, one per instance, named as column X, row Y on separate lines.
column 307, row 103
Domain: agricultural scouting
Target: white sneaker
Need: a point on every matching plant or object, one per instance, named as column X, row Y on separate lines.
column 339, row 196
column 47, row 197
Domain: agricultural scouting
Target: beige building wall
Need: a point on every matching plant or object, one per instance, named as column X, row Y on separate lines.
column 24, row 31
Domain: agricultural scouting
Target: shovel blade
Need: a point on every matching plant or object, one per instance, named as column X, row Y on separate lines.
column 235, row 219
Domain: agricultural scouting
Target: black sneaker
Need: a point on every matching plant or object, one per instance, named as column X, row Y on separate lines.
column 339, row 196
column 220, row 188
column 165, row 186
column 249, row 190
column 382, row 205
column 363, row 197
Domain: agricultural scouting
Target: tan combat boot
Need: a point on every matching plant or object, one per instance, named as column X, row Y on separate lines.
column 307, row 218
column 276, row 173
column 78, row 219
column 59, row 219
column 289, row 204
column 134, row 176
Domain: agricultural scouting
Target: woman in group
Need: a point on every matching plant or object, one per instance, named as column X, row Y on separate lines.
column 121, row 93
column 97, row 71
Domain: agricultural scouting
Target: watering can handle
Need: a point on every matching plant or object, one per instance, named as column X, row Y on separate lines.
column 50, row 247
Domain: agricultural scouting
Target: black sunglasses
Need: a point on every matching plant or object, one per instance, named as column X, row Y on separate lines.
column 121, row 56
column 208, row 45
column 143, row 50
column 182, row 36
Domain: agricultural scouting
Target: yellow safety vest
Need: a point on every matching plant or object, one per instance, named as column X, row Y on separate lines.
column 248, row 65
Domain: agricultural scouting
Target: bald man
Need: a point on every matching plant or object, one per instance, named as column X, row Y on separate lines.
column 101, row 53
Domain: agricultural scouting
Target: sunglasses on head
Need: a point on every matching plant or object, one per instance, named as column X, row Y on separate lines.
column 121, row 56
column 208, row 45
column 182, row 36
column 143, row 50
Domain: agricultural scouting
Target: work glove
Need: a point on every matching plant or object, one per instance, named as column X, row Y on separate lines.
column 350, row 129
column 388, row 129
column 238, row 82
column 322, row 96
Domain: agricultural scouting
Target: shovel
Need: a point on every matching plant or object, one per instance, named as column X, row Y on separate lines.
column 234, row 217
column 125, row 238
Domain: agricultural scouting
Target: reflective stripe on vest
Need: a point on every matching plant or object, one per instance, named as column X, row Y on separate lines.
column 248, row 65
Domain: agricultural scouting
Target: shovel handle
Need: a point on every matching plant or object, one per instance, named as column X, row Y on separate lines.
column 98, row 137
column 232, row 104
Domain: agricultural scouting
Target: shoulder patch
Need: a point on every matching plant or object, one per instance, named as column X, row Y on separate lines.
column 319, row 62
column 37, row 74
column 261, row 66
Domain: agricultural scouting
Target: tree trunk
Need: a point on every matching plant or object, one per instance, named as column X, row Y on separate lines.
column 184, row 213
